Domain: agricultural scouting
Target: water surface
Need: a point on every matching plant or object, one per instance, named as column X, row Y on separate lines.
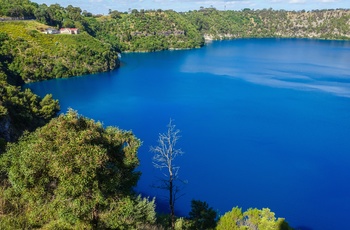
column 264, row 123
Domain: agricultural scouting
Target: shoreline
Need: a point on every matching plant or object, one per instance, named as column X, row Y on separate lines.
column 207, row 40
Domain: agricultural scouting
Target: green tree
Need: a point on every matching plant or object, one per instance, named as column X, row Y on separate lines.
column 22, row 110
column 41, row 14
column 73, row 13
column 231, row 220
column 253, row 218
column 73, row 173
column 68, row 23
column 115, row 14
column 48, row 108
column 17, row 8
column 202, row 216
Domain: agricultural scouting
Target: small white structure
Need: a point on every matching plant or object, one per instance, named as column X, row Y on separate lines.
column 51, row 31
column 69, row 31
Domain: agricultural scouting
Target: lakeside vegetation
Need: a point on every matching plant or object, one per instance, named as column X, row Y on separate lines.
column 147, row 31
column 36, row 56
column 268, row 23
column 69, row 172
column 19, row 110
column 73, row 173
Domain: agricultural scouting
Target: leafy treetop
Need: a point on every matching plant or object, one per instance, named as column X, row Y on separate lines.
column 72, row 171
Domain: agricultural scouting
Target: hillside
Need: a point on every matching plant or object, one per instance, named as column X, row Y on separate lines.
column 28, row 55
column 325, row 24
column 73, row 173
column 147, row 31
column 19, row 110
column 36, row 56
column 161, row 30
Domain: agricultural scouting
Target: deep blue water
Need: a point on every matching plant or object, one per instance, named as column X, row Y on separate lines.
column 264, row 123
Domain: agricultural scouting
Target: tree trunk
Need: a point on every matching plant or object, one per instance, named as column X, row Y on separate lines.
column 171, row 203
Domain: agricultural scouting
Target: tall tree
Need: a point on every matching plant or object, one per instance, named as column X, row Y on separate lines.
column 165, row 154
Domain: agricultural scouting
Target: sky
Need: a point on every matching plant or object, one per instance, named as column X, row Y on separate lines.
column 103, row 6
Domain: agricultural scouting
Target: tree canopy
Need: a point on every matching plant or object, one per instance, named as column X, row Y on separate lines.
column 202, row 216
column 253, row 218
column 17, row 8
column 72, row 173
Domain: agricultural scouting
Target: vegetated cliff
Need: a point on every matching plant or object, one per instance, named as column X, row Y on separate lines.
column 160, row 30
column 147, row 31
column 323, row 24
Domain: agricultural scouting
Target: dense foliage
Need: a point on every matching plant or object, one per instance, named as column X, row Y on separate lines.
column 37, row 56
column 202, row 216
column 72, row 173
column 251, row 219
column 148, row 31
column 23, row 110
column 158, row 30
column 58, row 16
column 19, row 110
column 17, row 8
column 327, row 24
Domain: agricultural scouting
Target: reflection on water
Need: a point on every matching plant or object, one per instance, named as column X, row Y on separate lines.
column 283, row 64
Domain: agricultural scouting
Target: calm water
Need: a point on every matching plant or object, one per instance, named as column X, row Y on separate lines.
column 264, row 123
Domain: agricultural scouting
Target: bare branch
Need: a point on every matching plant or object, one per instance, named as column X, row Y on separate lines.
column 164, row 155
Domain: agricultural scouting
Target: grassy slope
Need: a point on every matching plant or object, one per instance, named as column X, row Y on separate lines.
column 38, row 56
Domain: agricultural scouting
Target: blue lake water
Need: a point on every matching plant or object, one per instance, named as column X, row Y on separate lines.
column 264, row 123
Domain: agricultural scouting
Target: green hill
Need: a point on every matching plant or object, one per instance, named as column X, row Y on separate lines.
column 19, row 110
column 148, row 31
column 36, row 56
column 324, row 24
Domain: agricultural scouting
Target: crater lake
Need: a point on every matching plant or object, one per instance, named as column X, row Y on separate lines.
column 264, row 123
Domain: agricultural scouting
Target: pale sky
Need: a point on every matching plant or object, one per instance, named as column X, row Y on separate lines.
column 102, row 6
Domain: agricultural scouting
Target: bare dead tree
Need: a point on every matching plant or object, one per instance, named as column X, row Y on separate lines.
column 164, row 156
